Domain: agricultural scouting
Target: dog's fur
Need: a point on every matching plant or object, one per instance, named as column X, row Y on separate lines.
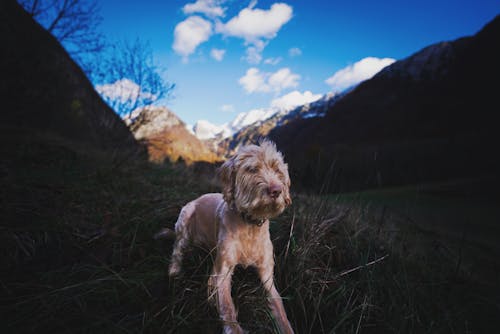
column 255, row 185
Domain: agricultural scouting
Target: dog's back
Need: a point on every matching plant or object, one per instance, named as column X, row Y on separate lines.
column 199, row 219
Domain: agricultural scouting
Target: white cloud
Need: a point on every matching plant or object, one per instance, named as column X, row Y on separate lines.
column 227, row 108
column 256, row 27
column 255, row 24
column 253, row 55
column 217, row 54
column 283, row 78
column 273, row 61
column 189, row 34
column 357, row 72
column 294, row 99
column 254, row 81
column 210, row 8
column 123, row 90
column 294, row 52
column 265, row 82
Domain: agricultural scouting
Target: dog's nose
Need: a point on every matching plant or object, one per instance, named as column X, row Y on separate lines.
column 274, row 190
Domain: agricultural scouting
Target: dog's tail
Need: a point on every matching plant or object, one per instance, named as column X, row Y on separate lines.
column 165, row 233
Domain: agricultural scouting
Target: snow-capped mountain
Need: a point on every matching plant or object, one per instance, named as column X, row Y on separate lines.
column 247, row 118
column 205, row 130
column 261, row 128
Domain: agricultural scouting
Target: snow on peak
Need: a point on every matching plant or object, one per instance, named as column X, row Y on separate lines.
column 205, row 130
column 284, row 104
column 294, row 99
column 250, row 117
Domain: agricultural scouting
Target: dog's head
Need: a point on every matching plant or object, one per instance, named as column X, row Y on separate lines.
column 256, row 182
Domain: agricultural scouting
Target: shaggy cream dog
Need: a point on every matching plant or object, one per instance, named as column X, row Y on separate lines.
column 255, row 188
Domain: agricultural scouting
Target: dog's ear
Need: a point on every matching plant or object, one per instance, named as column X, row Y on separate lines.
column 227, row 174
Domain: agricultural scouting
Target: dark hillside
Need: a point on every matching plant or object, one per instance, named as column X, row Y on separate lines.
column 44, row 90
column 431, row 116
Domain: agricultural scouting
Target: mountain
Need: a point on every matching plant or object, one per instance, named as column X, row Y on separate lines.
column 205, row 130
column 431, row 116
column 44, row 91
column 166, row 136
column 261, row 128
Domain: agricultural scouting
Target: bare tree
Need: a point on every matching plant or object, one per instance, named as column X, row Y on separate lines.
column 73, row 22
column 124, row 73
column 129, row 78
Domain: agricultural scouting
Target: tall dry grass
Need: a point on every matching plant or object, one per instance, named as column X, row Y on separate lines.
column 78, row 257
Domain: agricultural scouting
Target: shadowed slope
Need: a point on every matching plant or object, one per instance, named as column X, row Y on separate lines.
column 428, row 117
column 44, row 90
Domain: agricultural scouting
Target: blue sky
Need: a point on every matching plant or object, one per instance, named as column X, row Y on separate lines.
column 269, row 49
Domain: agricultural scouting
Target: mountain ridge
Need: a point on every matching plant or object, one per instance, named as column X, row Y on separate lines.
column 427, row 117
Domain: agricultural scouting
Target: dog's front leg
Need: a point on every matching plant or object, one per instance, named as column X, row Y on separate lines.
column 275, row 303
column 221, row 282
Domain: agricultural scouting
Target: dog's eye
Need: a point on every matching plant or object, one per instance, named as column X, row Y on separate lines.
column 275, row 168
column 252, row 169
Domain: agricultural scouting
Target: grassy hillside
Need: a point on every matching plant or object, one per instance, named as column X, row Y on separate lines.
column 78, row 256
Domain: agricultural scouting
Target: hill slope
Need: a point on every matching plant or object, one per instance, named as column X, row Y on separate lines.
column 44, row 90
column 428, row 117
column 166, row 137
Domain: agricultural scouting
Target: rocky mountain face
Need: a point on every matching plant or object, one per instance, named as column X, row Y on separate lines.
column 44, row 90
column 431, row 116
column 166, row 136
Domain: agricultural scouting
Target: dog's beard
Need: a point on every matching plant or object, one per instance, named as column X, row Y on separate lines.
column 253, row 199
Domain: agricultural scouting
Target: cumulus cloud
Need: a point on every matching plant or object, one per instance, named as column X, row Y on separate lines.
column 283, row 78
column 217, row 54
column 294, row 52
column 210, row 8
column 294, row 99
column 123, row 90
column 357, row 72
column 265, row 82
column 254, row 81
column 256, row 26
column 190, row 33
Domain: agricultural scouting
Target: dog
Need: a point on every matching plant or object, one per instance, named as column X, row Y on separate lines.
column 255, row 187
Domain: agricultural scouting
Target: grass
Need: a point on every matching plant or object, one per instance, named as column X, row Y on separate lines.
column 78, row 257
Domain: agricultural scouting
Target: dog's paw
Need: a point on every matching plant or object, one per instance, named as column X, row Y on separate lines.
column 233, row 329
column 174, row 270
